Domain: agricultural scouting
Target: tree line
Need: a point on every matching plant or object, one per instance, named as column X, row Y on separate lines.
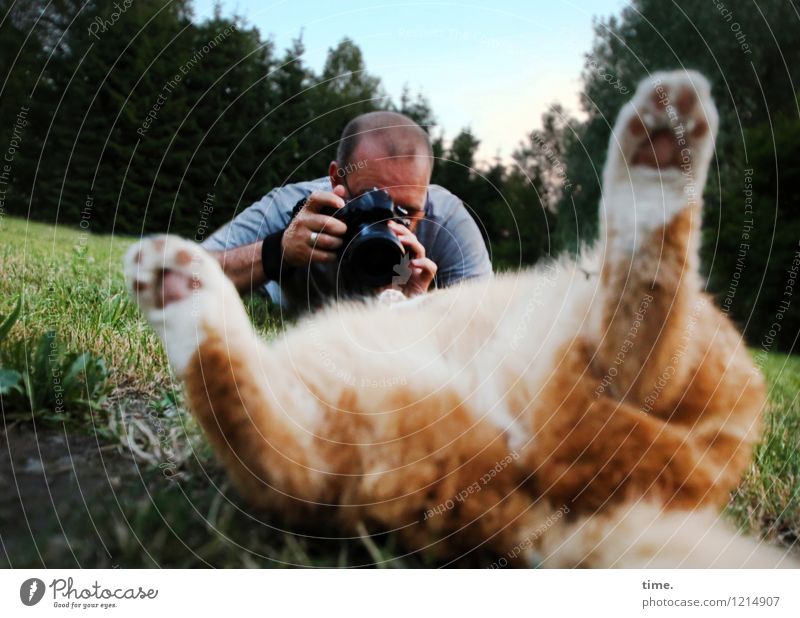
column 135, row 117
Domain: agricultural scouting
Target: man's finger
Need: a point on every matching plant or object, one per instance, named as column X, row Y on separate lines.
column 409, row 241
column 424, row 270
column 326, row 242
column 326, row 224
column 425, row 264
column 318, row 255
column 323, row 199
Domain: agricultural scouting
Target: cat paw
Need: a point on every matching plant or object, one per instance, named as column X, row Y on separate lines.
column 163, row 270
column 658, row 155
column 179, row 288
column 668, row 126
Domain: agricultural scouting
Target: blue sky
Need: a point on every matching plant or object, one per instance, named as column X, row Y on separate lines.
column 494, row 66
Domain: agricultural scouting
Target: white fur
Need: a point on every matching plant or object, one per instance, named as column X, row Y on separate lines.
column 181, row 325
column 644, row 535
column 637, row 200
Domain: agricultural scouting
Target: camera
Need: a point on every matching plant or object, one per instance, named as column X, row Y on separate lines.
column 370, row 250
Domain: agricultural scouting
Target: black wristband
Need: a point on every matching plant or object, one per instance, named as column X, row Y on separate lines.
column 272, row 255
column 272, row 248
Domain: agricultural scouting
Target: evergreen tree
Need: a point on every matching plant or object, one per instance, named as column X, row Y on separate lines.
column 222, row 141
column 25, row 98
column 417, row 107
column 344, row 90
column 291, row 114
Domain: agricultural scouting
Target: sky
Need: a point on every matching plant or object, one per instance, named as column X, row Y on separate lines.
column 492, row 66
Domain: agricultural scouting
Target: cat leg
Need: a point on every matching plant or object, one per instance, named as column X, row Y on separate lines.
column 653, row 180
column 195, row 309
column 665, row 348
column 640, row 491
column 592, row 452
column 663, row 401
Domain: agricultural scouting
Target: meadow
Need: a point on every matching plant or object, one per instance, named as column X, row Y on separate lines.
column 102, row 466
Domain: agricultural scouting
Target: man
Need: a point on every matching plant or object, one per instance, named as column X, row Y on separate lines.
column 293, row 254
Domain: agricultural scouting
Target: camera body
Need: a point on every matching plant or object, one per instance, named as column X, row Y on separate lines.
column 370, row 250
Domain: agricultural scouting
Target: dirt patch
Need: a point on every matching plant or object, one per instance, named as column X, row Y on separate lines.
column 73, row 498
column 53, row 482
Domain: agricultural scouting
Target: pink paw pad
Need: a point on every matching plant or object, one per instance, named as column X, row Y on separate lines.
column 175, row 287
column 666, row 123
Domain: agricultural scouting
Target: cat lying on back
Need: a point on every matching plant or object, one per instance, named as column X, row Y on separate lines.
column 554, row 416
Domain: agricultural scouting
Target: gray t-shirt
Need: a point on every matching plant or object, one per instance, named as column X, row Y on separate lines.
column 449, row 234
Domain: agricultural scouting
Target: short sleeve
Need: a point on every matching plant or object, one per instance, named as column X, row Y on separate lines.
column 268, row 215
column 457, row 245
column 264, row 217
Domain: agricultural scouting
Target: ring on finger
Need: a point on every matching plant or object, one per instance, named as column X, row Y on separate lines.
column 313, row 238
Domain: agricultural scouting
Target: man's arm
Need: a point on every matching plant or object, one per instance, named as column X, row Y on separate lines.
column 243, row 265
column 310, row 237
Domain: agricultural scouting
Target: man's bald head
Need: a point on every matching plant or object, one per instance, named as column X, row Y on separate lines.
column 391, row 133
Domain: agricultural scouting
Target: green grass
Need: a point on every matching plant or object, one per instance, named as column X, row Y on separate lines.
column 129, row 480
column 768, row 499
column 71, row 282
column 151, row 493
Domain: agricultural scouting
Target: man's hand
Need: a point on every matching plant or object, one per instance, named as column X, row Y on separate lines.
column 423, row 269
column 312, row 236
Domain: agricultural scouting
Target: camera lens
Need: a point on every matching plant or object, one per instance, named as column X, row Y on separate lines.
column 373, row 254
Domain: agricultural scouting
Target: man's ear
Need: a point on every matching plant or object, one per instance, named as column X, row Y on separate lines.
column 335, row 174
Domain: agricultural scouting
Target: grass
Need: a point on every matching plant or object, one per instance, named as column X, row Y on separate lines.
column 122, row 476
column 125, row 480
column 71, row 282
column 768, row 499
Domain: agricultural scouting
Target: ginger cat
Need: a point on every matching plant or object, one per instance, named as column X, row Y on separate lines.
column 592, row 413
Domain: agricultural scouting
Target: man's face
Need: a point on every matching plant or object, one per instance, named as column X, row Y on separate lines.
column 404, row 178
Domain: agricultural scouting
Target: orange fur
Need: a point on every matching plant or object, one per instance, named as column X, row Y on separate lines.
column 624, row 401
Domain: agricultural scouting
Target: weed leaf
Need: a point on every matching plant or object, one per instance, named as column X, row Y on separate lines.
column 9, row 321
